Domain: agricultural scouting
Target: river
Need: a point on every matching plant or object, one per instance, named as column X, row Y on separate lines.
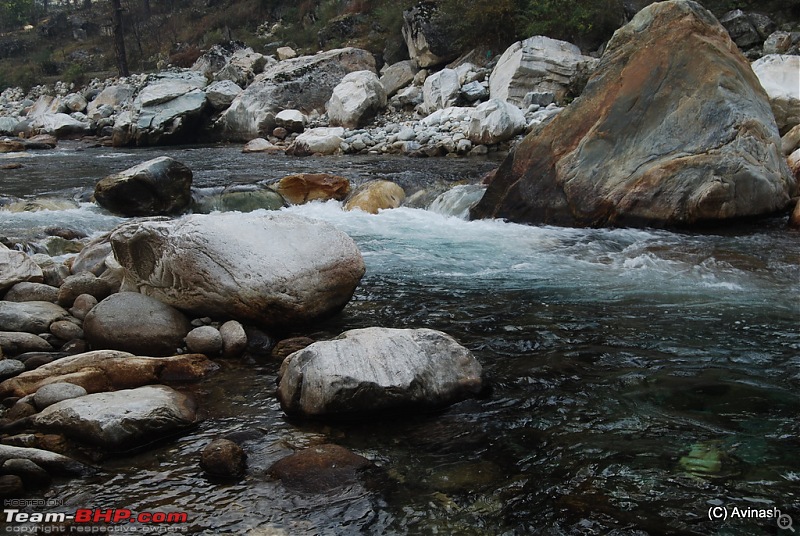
column 640, row 379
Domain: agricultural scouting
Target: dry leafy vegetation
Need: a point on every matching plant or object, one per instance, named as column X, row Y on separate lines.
column 47, row 40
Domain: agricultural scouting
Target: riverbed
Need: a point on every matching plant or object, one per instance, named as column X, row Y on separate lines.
column 640, row 378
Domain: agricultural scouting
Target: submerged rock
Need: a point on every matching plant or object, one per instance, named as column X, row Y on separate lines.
column 121, row 420
column 672, row 129
column 161, row 186
column 223, row 458
column 375, row 370
column 321, row 468
column 273, row 269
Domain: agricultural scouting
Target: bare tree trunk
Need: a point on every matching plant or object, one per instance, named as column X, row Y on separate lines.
column 119, row 39
column 146, row 8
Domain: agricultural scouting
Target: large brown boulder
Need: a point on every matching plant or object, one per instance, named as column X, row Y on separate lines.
column 672, row 129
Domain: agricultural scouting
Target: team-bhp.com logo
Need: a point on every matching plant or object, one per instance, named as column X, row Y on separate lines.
column 93, row 516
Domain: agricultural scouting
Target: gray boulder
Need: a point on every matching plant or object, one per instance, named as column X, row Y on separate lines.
column 234, row 339
column 377, row 370
column 52, row 393
column 10, row 367
column 136, row 323
column 82, row 283
column 204, row 340
column 166, row 110
column 274, row 269
column 356, row 100
column 24, row 291
column 321, row 140
column 161, row 186
column 220, row 94
column 291, row 120
column 16, row 267
column 305, row 83
column 121, row 420
column 397, row 76
column 60, row 125
column 673, row 129
column 779, row 76
column 15, row 343
column 537, row 64
column 441, row 90
column 494, row 121
column 31, row 317
column 114, row 97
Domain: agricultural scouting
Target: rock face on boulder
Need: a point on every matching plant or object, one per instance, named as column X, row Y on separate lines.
column 537, row 64
column 271, row 269
column 121, row 420
column 779, row 76
column 672, row 129
column 495, row 121
column 305, row 83
column 426, row 36
column 161, row 186
column 135, row 323
column 16, row 267
column 376, row 370
column 356, row 100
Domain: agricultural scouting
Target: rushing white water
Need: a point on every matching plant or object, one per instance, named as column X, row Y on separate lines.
column 600, row 263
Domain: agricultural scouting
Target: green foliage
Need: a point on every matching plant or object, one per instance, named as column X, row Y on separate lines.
column 486, row 22
column 15, row 13
column 501, row 22
column 75, row 74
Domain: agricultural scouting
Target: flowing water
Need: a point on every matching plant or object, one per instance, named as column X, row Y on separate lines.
column 640, row 378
